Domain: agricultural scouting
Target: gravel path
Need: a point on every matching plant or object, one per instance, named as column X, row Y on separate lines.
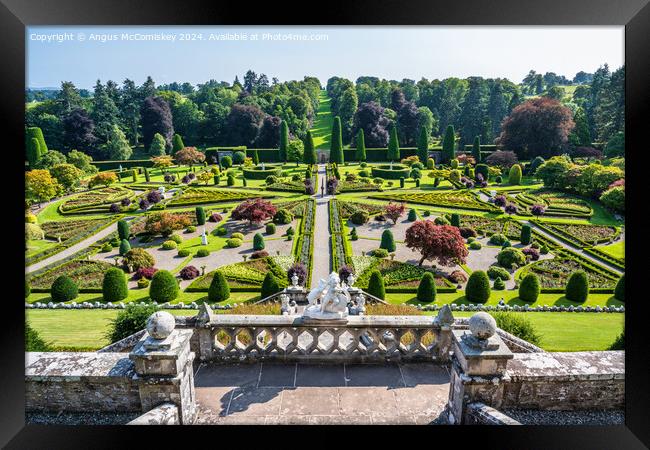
column 322, row 252
column 591, row 417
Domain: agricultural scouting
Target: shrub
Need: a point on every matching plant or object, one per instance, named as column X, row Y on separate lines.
column 226, row 162
column 114, row 287
column 467, row 232
column 359, row 217
column 231, row 243
column 427, row 288
column 413, row 216
column 455, row 220
column 577, row 288
column 64, row 289
column 143, row 283
column 514, row 175
column 380, row 253
column 230, row 180
column 499, row 284
column 221, row 231
column 282, row 216
column 30, row 218
column 475, row 245
column 498, row 239
column 376, row 285
column 219, row 289
column 271, row 179
column 238, row 157
column 164, row 287
column 401, row 182
column 203, row 252
column 200, row 215
column 532, row 252
column 215, row 217
column 543, row 250
column 441, row 220
column 290, row 231
column 137, row 258
column 34, row 342
column 353, row 234
column 506, row 244
column 457, row 276
column 176, row 238
column 169, row 245
column 270, row 285
column 387, row 241
column 529, row 288
column 184, row 252
column 190, row 229
column 619, row 343
column 517, row 325
column 619, row 290
column 270, row 228
column 145, row 272
column 301, row 272
column 258, row 242
column 259, row 254
column 28, row 289
column 106, row 247
column 123, row 229
column 130, row 320
column 124, row 247
column 526, row 234
column 509, row 256
column 478, row 287
column 239, row 236
column 498, row 180
column 498, row 272
column 189, row 273
column 115, row 208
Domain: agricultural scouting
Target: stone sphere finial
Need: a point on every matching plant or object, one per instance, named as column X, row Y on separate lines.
column 160, row 325
column 482, row 325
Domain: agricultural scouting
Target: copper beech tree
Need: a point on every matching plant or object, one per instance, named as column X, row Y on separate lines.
column 255, row 211
column 189, row 156
column 440, row 242
column 394, row 211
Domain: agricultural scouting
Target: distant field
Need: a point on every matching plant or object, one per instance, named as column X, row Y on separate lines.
column 322, row 129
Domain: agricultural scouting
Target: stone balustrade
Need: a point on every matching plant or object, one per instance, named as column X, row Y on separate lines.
column 286, row 338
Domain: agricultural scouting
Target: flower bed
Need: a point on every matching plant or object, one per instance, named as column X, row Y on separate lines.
column 295, row 207
column 257, row 173
column 348, row 208
column 482, row 225
column 398, row 276
column 557, row 203
column 197, row 196
column 614, row 261
column 448, row 199
column 96, row 201
column 243, row 276
column 579, row 235
column 357, row 186
column 88, row 275
column 304, row 249
column 384, row 171
column 287, row 186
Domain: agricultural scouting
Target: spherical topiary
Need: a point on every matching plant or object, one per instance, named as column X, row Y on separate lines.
column 475, row 245
column 184, row 252
column 34, row 232
column 543, row 250
column 577, row 288
column 526, row 234
column 509, row 256
column 380, row 253
column 237, row 236
column 387, row 241
column 376, row 285
column 270, row 228
column 219, row 289
column 124, row 247
column 258, row 242
column 427, row 288
column 164, row 287
column 529, row 288
column 282, row 217
column 169, row 245
column 114, row 287
column 64, row 289
column 203, row 252
column 495, row 272
column 270, row 285
column 413, row 215
column 139, row 257
column 498, row 239
column 478, row 287
column 176, row 238
column 233, row 242
column 30, row 218
column 143, row 283
column 441, row 220
column 106, row 247
column 619, row 290
column 499, row 284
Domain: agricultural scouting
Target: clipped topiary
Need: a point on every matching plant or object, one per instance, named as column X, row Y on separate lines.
column 123, row 229
column 577, row 288
column 509, row 256
column 495, row 272
column 164, row 287
column 526, row 234
column 114, row 287
column 353, row 234
column 64, row 289
column 427, row 288
column 529, row 288
column 200, row 215
column 124, row 247
column 619, row 290
column 219, row 289
column 203, row 252
column 376, row 285
column 359, row 217
column 28, row 289
column 258, row 242
column 387, row 241
column 270, row 228
column 514, row 176
column 413, row 216
column 499, row 284
column 270, row 286
column 282, row 217
column 478, row 287
column 455, row 220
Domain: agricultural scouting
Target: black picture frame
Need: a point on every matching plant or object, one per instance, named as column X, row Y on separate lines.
column 633, row 14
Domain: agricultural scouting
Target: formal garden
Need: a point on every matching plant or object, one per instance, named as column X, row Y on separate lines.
column 421, row 217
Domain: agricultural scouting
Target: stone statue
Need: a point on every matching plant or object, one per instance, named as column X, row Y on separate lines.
column 294, row 280
column 351, row 279
column 333, row 298
column 284, row 300
column 263, row 165
column 204, row 237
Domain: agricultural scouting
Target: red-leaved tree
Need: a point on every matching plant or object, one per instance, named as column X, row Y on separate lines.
column 440, row 242
column 394, row 211
column 189, row 156
column 255, row 211
column 537, row 127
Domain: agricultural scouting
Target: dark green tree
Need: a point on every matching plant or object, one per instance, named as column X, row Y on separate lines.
column 34, row 342
column 164, row 287
column 449, row 144
column 33, row 152
column 619, row 290
column 177, row 144
column 387, row 241
column 376, row 285
column 427, row 288
column 393, row 145
column 200, row 215
column 64, row 289
column 256, row 158
column 284, row 141
column 476, row 150
column 577, row 288
column 423, row 145
column 309, row 154
column 114, row 287
column 412, row 216
column 258, row 242
column 360, row 153
column 124, row 247
column 455, row 220
column 526, row 234
column 529, row 288
column 270, row 285
column 123, row 230
column 336, row 149
column 219, row 289
column 478, row 287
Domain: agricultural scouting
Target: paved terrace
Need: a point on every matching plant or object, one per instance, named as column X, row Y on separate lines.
column 354, row 394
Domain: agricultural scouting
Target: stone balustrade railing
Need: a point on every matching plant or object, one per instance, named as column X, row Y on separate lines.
column 294, row 338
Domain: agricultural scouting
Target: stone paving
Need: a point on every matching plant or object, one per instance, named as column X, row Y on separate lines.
column 322, row 254
column 303, row 394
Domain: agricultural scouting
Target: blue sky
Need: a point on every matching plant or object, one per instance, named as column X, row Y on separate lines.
column 56, row 54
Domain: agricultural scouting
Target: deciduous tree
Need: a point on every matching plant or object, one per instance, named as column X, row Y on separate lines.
column 440, row 242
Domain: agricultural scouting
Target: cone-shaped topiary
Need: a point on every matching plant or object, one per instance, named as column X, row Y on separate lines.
column 478, row 287
column 64, row 289
column 423, row 145
column 413, row 216
column 200, row 215
column 525, row 234
column 499, row 284
column 476, row 150
column 427, row 288
column 33, row 153
column 619, row 290
column 124, row 247
column 393, row 153
column 360, row 153
column 114, row 287
column 219, row 289
column 258, row 242
column 309, row 153
column 387, row 241
column 455, row 220
column 529, row 288
column 401, row 182
column 164, row 287
column 284, row 141
column 353, row 234
column 270, row 285
column 336, row 146
column 514, row 176
column 376, row 285
column 123, row 229
column 577, row 289
column 177, row 144
column 448, row 144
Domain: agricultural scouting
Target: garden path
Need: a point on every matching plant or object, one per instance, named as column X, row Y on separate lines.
column 576, row 249
column 322, row 252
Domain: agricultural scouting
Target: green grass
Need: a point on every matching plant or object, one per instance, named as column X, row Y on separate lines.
column 322, row 128
column 34, row 247
column 573, row 332
column 617, row 249
column 139, row 295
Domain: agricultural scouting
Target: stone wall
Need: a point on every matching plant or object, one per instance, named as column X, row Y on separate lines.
column 165, row 414
column 565, row 381
column 80, row 382
column 480, row 414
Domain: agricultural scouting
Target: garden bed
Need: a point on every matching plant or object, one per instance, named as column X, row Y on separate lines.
column 88, row 275
column 257, row 173
column 96, row 201
column 384, row 171
column 446, row 199
column 398, row 276
column 197, row 196
column 244, row 276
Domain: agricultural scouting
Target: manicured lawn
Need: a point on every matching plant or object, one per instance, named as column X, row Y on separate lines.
column 139, row 295
column 616, row 249
column 573, row 332
column 35, row 247
column 322, row 129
